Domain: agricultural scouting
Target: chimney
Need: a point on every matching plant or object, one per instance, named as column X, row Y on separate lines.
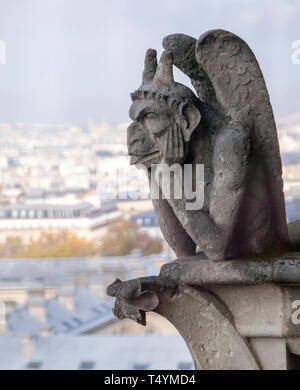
column 3, row 318
column 82, row 279
column 98, row 288
column 36, row 293
column 37, row 309
column 28, row 346
column 46, row 330
column 65, row 295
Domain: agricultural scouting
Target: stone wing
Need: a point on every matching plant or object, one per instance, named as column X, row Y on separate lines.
column 226, row 75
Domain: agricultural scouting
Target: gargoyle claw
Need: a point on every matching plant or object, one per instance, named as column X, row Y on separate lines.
column 131, row 301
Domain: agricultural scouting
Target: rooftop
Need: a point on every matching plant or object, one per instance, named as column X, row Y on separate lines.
column 97, row 352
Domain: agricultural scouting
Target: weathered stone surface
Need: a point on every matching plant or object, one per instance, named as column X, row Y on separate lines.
column 192, row 271
column 236, row 311
column 232, row 314
column 294, row 235
column 204, row 322
column 271, row 352
column 268, row 287
column 131, row 301
column 208, row 329
column 229, row 127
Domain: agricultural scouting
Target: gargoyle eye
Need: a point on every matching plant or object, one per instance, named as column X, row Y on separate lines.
column 150, row 115
column 150, row 120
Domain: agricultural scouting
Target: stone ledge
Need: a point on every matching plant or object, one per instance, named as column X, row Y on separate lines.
column 237, row 314
column 199, row 272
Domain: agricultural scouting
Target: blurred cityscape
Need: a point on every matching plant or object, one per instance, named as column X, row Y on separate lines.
column 66, row 186
column 69, row 185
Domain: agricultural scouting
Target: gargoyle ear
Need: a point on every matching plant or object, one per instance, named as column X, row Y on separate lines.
column 192, row 118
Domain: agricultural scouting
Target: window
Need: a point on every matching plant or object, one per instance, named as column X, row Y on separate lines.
column 147, row 221
column 77, row 320
column 15, row 213
column 23, row 213
column 185, row 366
column 140, row 366
column 87, row 365
column 34, row 365
column 66, row 324
column 40, row 213
column 31, row 213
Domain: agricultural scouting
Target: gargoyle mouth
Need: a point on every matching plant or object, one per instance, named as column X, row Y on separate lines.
column 145, row 158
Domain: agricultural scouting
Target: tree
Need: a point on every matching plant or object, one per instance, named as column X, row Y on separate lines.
column 125, row 236
column 121, row 239
column 49, row 244
column 12, row 247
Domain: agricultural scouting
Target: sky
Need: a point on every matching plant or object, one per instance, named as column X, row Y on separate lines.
column 71, row 61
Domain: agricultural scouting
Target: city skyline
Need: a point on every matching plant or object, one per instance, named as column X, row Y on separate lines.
column 76, row 61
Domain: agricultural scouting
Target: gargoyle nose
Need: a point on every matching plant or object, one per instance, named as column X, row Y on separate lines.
column 135, row 132
column 131, row 128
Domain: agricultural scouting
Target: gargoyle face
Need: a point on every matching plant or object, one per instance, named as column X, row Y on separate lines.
column 164, row 115
column 145, row 136
column 160, row 132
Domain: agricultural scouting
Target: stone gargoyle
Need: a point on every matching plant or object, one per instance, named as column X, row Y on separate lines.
column 131, row 301
column 228, row 127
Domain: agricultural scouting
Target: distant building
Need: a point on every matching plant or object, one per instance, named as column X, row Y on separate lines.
column 71, row 311
column 292, row 209
column 68, row 295
column 28, row 220
column 130, row 207
column 151, row 352
column 147, row 220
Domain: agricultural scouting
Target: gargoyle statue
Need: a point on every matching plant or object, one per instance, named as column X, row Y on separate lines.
column 230, row 129
column 131, row 301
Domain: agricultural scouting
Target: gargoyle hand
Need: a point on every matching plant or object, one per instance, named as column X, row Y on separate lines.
column 131, row 301
column 173, row 146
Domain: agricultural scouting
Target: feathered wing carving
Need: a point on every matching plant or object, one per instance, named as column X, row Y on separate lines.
column 226, row 74
column 183, row 48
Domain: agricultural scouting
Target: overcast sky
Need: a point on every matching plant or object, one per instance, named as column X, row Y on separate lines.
column 78, row 60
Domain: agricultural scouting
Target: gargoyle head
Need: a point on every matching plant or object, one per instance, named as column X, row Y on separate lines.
column 131, row 301
column 164, row 114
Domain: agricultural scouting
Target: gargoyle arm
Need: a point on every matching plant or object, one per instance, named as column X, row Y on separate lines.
column 212, row 231
column 175, row 235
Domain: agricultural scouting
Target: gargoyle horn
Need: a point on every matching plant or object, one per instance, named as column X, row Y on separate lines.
column 150, row 66
column 164, row 71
